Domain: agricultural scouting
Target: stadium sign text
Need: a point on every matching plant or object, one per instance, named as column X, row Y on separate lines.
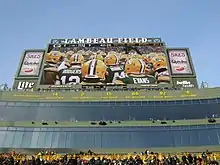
column 25, row 85
column 105, row 40
column 185, row 84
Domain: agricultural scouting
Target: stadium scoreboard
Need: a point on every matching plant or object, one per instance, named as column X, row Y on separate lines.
column 121, row 62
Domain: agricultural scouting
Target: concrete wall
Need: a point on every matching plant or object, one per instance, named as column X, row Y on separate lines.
column 138, row 137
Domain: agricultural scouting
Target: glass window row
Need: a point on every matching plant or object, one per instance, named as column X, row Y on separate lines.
column 120, row 129
column 117, row 103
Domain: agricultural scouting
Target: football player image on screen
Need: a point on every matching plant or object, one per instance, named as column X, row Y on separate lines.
column 69, row 54
column 93, row 72
column 161, row 69
column 68, row 75
column 82, row 52
column 137, row 56
column 52, row 61
column 136, row 73
column 86, row 55
column 100, row 52
column 148, row 58
column 114, row 69
column 123, row 58
column 96, row 55
column 76, row 60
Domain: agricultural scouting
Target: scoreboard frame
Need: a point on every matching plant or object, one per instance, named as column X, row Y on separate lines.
column 35, row 81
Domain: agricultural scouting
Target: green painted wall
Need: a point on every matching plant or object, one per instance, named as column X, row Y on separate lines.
column 63, row 96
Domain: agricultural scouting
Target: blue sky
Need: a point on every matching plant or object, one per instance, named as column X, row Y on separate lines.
column 27, row 24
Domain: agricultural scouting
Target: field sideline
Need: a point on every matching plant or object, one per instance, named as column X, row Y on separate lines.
column 113, row 124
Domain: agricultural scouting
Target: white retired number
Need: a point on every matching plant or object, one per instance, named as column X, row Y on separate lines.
column 72, row 79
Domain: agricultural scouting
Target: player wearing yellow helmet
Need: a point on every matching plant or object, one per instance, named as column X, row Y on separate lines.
column 69, row 72
column 100, row 52
column 111, row 59
column 161, row 69
column 52, row 61
column 137, row 56
column 114, row 70
column 68, row 75
column 82, row 52
column 136, row 73
column 148, row 58
column 93, row 71
column 76, row 60
column 69, row 54
column 123, row 58
column 96, row 56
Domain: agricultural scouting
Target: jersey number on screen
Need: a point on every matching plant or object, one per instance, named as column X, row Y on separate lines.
column 71, row 79
column 118, row 75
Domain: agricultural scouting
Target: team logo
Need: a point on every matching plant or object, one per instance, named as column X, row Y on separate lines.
column 25, row 85
column 185, row 84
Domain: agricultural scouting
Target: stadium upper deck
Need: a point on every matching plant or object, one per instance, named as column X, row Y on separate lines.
column 60, row 83
column 111, row 105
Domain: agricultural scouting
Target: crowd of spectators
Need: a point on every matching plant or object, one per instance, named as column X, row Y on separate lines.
column 147, row 158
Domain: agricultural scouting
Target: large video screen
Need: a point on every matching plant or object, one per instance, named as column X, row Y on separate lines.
column 104, row 64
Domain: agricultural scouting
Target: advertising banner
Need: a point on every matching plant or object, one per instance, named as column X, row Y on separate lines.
column 31, row 64
column 185, row 82
column 104, row 64
column 25, row 84
column 179, row 62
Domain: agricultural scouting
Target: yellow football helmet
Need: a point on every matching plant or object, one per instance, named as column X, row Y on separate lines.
column 94, row 69
column 102, row 53
column 89, row 53
column 149, row 58
column 161, row 55
column 54, row 57
column 113, row 52
column 76, row 59
column 86, row 55
column 111, row 59
column 96, row 56
column 69, row 54
column 135, row 66
column 82, row 52
column 159, row 63
column 145, row 57
column 123, row 58
column 137, row 56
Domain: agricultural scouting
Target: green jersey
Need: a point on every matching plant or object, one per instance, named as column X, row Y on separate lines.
column 114, row 72
column 70, row 76
column 139, row 79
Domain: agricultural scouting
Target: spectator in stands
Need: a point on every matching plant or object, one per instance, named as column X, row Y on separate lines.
column 94, row 159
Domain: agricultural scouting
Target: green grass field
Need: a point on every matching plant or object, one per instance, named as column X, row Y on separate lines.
column 113, row 124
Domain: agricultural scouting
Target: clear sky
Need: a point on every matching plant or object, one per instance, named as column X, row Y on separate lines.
column 27, row 24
